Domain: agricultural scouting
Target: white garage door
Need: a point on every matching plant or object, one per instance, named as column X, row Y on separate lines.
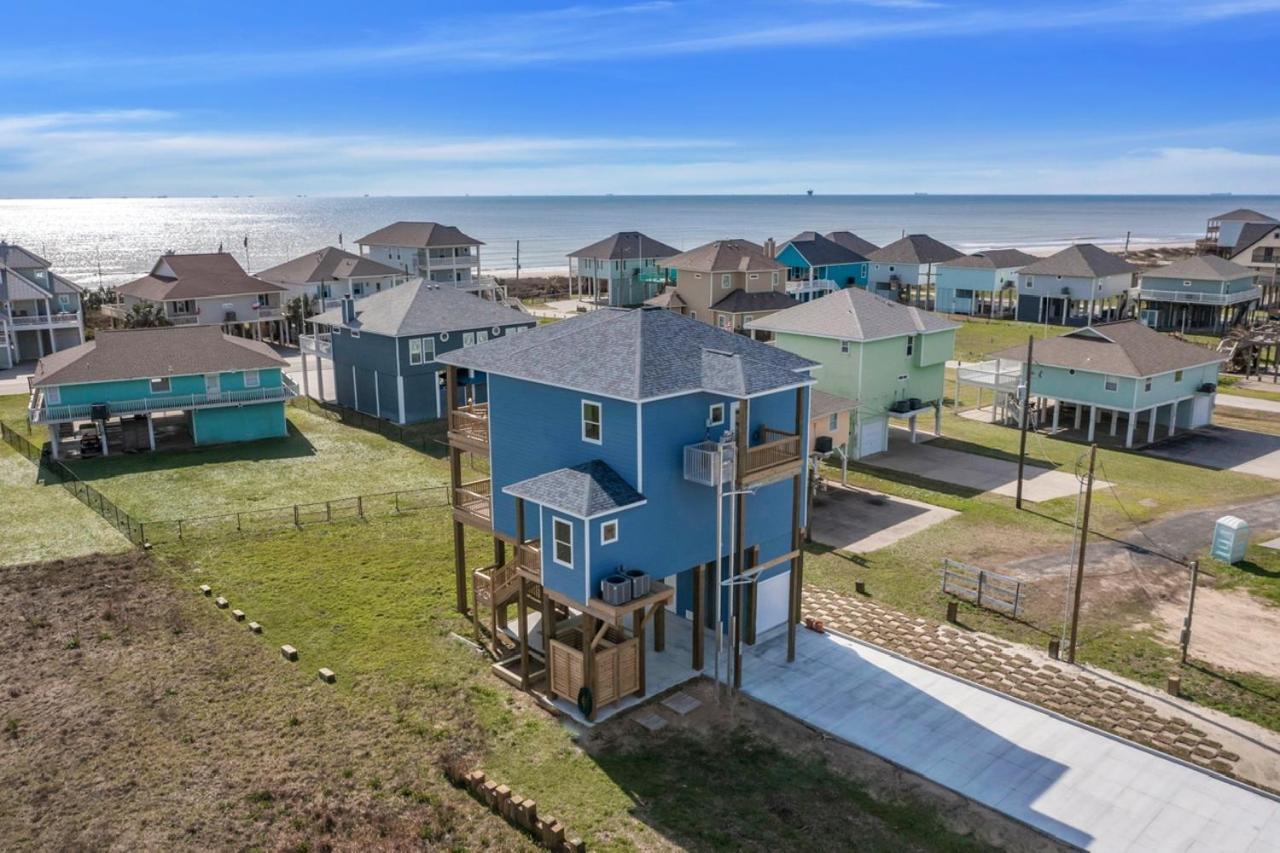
column 873, row 436
column 771, row 603
column 1201, row 411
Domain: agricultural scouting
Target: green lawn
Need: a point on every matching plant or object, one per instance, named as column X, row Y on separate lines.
column 320, row 460
column 977, row 338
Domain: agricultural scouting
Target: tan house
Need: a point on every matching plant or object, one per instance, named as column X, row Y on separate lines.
column 726, row 283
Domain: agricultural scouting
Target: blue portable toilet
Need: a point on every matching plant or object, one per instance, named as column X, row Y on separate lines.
column 1230, row 539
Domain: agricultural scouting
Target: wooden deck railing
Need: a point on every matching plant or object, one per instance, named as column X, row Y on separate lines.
column 529, row 559
column 475, row 498
column 779, row 448
column 471, row 422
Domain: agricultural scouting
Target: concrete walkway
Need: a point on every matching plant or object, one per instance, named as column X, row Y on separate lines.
column 1254, row 404
column 1071, row 782
column 972, row 471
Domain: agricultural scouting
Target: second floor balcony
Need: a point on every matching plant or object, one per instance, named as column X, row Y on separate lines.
column 469, row 427
column 1194, row 297
column 56, row 320
column 43, row 411
column 473, row 504
column 320, row 345
column 775, row 456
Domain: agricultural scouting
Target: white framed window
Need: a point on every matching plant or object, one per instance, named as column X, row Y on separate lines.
column 53, row 395
column 725, row 321
column 1186, row 284
column 160, row 385
column 1110, row 383
column 911, row 345
column 592, row 422
column 715, row 414
column 609, row 532
column 845, row 347
column 833, row 422
column 753, row 276
column 64, row 301
column 468, row 339
column 415, row 350
column 428, row 350
column 1031, row 280
column 747, row 318
column 252, row 379
column 482, row 336
column 864, row 270
column 775, row 278
column 562, row 542
column 697, row 275
column 726, row 281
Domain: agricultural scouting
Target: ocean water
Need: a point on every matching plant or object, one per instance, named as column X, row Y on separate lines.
column 113, row 240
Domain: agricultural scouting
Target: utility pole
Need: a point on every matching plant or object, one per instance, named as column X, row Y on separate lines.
column 1191, row 604
column 1026, row 404
column 517, row 260
column 1084, row 540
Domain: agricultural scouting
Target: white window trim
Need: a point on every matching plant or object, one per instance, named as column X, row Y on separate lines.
column 605, row 525
column 468, row 339
column 712, row 418
column 1110, row 383
column 726, row 280
column 911, row 345
column 599, row 423
column 846, row 347
column 53, row 395
column 257, row 379
column 555, row 550
column 428, row 350
column 355, row 333
column 415, row 351
column 168, row 386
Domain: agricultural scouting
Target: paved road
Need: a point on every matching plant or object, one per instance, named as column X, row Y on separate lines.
column 1074, row 783
column 1235, row 401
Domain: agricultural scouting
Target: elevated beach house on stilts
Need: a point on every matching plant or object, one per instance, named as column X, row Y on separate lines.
column 1251, row 239
column 1146, row 384
column 1080, row 285
column 328, row 274
column 889, row 357
column 727, row 283
column 621, row 270
column 1200, row 293
column 40, row 311
column 206, row 290
column 907, row 269
column 817, row 265
column 984, row 284
column 385, row 347
column 644, row 468
column 169, row 386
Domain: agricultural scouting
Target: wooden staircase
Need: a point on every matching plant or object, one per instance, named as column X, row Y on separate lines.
column 497, row 588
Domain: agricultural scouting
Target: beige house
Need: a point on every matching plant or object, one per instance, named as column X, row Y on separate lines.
column 726, row 283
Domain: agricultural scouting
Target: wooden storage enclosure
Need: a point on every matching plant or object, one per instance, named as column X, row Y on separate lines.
column 616, row 663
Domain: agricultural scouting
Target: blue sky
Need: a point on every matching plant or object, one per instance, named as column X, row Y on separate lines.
column 652, row 96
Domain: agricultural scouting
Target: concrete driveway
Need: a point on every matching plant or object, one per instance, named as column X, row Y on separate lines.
column 14, row 379
column 860, row 520
column 1072, row 782
column 972, row 471
column 1224, row 448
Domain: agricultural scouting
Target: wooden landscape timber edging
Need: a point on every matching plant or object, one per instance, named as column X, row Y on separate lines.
column 984, row 588
column 518, row 811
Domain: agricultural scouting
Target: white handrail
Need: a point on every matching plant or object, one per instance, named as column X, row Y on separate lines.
column 41, row 413
column 1159, row 294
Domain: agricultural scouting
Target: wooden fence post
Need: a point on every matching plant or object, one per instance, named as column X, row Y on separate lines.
column 360, row 506
column 296, row 523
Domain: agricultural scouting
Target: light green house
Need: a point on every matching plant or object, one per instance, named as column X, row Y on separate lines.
column 889, row 357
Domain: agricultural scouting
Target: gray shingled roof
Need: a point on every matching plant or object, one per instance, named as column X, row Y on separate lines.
column 915, row 249
column 626, row 245
column 822, row 404
column 666, row 298
column 724, row 256
column 421, row 308
column 852, row 242
column 637, row 354
column 419, row 235
column 154, row 352
column 327, row 264
column 195, row 277
column 1126, row 348
column 1201, row 268
column 1251, row 233
column 742, row 302
column 583, row 491
column 1245, row 214
column 821, row 251
column 993, row 259
column 853, row 314
column 1083, row 260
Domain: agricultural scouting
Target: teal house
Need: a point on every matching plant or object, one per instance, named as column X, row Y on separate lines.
column 172, row 386
column 1124, row 378
column 983, row 284
column 817, row 264
column 888, row 357
column 1202, row 293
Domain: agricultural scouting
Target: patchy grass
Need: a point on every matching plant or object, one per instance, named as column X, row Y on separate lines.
column 1259, row 572
column 319, row 460
column 977, row 338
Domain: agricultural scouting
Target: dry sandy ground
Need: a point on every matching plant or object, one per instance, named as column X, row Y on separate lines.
column 1230, row 628
column 134, row 718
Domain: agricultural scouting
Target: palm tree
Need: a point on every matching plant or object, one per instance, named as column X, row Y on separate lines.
column 145, row 315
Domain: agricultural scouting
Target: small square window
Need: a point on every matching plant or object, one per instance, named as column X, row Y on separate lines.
column 833, row 422
column 609, row 532
column 911, row 345
column 468, row 339
column 845, row 347
column 160, row 386
column 1146, row 386
column 1110, row 383
column 754, row 276
column 252, row 379
column 715, row 414
column 1177, row 376
column 481, row 337
column 592, row 422
column 415, row 350
column 726, row 281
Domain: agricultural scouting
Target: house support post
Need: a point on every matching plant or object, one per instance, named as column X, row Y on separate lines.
column 1151, row 423
column 522, row 610
column 1093, row 421
column 151, row 430
column 795, row 589
column 306, row 383
column 1173, row 417
column 54, row 449
column 455, row 482
column 637, row 628
column 1115, row 416
column 699, row 630
column 548, row 628
column 1128, row 433
column 589, row 657
column 743, row 436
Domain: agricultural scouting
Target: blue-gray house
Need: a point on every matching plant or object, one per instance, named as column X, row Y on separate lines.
column 982, row 284
column 631, row 441
column 1200, row 293
column 385, row 347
